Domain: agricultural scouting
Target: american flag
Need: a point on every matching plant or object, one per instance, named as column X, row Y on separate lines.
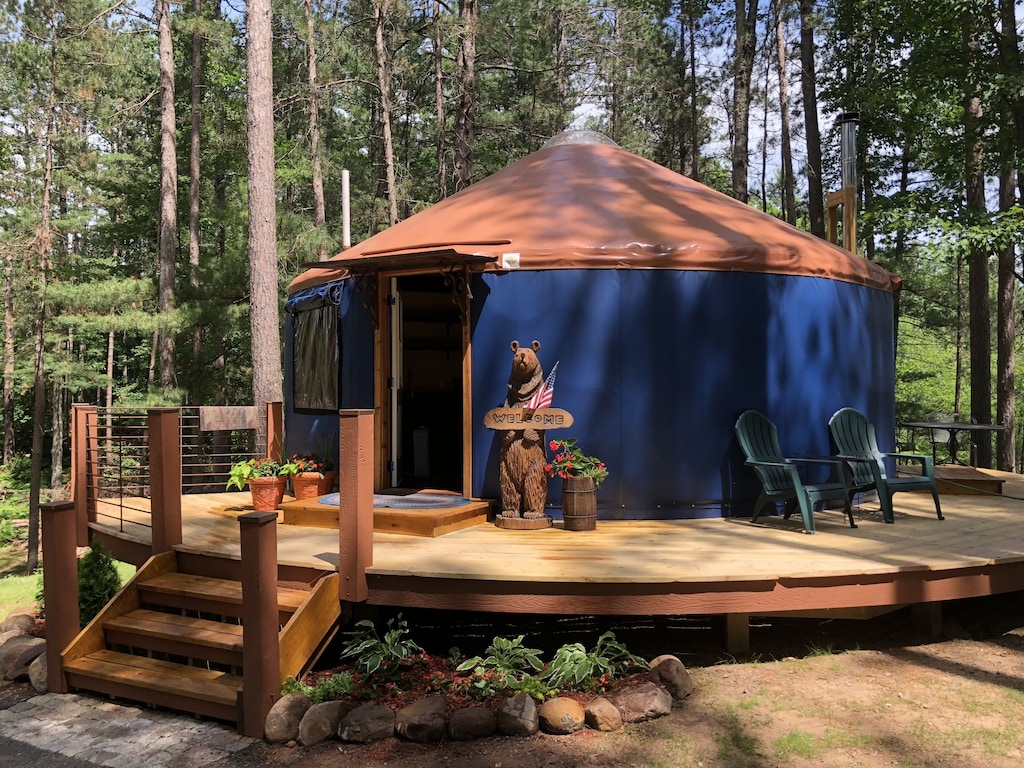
column 542, row 397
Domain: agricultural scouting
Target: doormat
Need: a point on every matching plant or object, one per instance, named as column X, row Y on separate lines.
column 409, row 501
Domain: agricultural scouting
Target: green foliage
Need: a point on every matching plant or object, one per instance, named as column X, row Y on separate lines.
column 573, row 666
column 98, row 582
column 262, row 467
column 337, row 686
column 378, row 657
column 8, row 532
column 535, row 687
column 507, row 662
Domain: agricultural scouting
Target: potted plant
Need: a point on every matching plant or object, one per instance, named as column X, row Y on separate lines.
column 266, row 478
column 314, row 475
column 581, row 474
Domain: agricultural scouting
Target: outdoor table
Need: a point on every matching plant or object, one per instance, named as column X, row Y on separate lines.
column 953, row 427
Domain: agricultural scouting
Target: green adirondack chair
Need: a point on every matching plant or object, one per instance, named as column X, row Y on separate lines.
column 780, row 477
column 854, row 437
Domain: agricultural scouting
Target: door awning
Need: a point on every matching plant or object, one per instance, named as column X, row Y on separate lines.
column 390, row 261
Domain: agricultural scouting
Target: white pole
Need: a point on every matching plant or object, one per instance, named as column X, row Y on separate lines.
column 346, row 226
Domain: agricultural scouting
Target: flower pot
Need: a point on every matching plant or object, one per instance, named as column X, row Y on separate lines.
column 267, row 492
column 306, row 485
column 327, row 483
column 579, row 503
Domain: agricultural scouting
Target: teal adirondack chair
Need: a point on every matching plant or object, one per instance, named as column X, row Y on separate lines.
column 854, row 437
column 780, row 476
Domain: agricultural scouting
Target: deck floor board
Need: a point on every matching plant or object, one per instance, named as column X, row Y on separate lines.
column 979, row 531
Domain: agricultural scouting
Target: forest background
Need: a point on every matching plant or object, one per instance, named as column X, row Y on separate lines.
column 167, row 169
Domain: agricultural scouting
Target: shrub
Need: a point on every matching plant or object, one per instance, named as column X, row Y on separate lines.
column 375, row 656
column 98, row 582
column 508, row 661
column 326, row 689
column 573, row 666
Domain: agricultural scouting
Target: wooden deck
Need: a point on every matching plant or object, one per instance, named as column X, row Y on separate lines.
column 700, row 567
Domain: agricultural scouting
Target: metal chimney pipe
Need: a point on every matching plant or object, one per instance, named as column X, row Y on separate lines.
column 848, row 146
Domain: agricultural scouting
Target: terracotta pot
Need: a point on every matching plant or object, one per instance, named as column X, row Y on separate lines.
column 579, row 503
column 327, row 483
column 267, row 492
column 306, row 485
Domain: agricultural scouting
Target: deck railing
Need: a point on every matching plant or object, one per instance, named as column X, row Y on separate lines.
column 130, row 466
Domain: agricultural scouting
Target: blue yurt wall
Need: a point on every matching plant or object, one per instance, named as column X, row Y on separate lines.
column 656, row 366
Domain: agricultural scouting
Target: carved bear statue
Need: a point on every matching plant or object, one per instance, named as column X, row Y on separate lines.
column 524, row 486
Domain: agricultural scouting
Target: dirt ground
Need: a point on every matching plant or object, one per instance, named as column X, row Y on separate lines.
column 815, row 693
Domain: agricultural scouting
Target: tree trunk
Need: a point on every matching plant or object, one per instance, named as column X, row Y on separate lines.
column 263, row 298
column 743, row 69
column 978, row 278
column 195, row 179
column 809, row 84
column 8, row 407
column 168, row 193
column 44, row 247
column 788, row 181
column 1006, row 401
column 380, row 14
column 465, row 116
column 319, row 204
column 442, row 164
column 694, row 103
column 57, row 397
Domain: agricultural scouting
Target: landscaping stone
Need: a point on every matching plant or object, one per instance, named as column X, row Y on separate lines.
column 283, row 720
column 37, row 673
column 561, row 716
column 472, row 723
column 518, row 716
column 642, row 702
column 670, row 673
column 17, row 653
column 601, row 715
column 322, row 720
column 423, row 721
column 367, row 723
column 21, row 620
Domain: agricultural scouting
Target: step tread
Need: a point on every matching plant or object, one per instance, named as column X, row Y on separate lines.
column 184, row 629
column 156, row 675
column 222, row 590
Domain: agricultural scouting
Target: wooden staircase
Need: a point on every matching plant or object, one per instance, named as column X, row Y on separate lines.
column 175, row 639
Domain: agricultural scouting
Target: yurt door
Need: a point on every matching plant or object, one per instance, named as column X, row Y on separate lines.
column 426, row 394
column 396, row 381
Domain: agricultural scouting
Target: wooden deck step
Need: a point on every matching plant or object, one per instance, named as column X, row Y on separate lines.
column 208, row 595
column 186, row 636
column 189, row 689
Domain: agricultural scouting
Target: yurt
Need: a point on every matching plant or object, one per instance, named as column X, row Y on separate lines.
column 670, row 309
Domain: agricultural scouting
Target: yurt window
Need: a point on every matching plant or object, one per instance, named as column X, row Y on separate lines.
column 316, row 359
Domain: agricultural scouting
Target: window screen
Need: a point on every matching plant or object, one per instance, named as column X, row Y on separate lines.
column 316, row 358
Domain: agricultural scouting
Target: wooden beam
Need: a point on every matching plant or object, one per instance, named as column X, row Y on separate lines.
column 737, row 634
column 164, row 430
column 355, row 512
column 60, row 586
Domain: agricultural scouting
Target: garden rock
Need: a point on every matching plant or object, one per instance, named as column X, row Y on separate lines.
column 21, row 620
column 17, row 653
column 321, row 721
column 283, row 720
column 642, row 702
column 367, row 723
column 5, row 636
column 518, row 716
column 422, row 721
column 561, row 716
column 472, row 723
column 37, row 674
column 670, row 673
column 601, row 715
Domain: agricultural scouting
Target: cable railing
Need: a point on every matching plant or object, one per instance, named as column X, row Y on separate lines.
column 119, row 461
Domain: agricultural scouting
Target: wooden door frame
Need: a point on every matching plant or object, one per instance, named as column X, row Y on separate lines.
column 458, row 279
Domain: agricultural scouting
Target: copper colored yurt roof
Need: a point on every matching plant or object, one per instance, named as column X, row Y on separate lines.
column 591, row 205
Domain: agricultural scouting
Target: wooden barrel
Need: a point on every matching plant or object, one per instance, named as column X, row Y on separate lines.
column 579, row 503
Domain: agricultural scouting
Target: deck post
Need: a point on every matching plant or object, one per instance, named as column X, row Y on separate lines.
column 60, row 585
column 355, row 510
column 261, row 655
column 80, row 467
column 275, row 430
column 737, row 633
column 163, row 426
